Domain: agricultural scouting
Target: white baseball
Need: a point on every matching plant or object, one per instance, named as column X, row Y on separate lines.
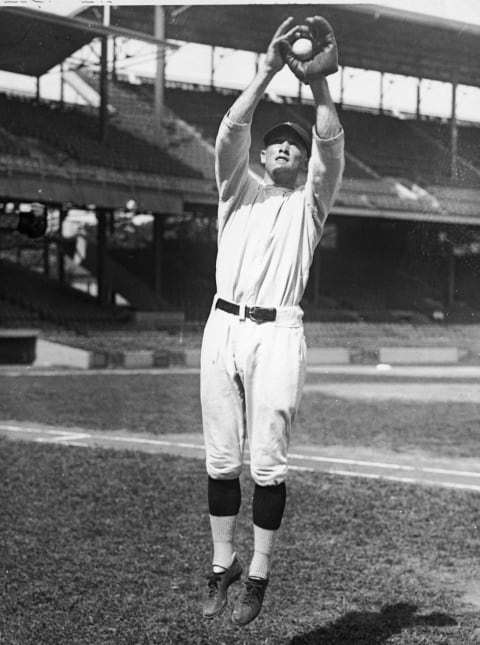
column 302, row 48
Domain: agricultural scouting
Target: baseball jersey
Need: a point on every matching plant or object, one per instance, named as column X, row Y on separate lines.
column 267, row 234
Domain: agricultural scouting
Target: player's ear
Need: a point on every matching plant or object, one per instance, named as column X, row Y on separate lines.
column 263, row 154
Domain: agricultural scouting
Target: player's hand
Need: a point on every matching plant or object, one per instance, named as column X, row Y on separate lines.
column 274, row 57
column 324, row 60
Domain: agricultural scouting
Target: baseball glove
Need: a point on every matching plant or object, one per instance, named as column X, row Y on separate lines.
column 324, row 60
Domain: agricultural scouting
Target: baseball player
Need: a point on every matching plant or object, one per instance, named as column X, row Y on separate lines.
column 253, row 351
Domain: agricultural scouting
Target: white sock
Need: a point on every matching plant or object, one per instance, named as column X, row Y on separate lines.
column 264, row 541
column 223, row 533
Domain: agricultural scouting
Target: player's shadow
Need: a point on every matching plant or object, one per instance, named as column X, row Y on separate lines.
column 372, row 628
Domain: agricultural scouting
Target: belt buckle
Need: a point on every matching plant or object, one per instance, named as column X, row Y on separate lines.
column 256, row 314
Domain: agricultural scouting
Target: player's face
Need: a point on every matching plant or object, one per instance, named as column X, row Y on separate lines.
column 284, row 158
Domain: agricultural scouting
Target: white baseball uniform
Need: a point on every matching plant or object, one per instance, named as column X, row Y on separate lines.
column 252, row 374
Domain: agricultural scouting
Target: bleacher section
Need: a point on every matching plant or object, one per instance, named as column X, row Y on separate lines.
column 379, row 150
column 137, row 115
column 29, row 297
column 206, row 112
column 464, row 201
column 397, row 292
column 384, row 194
column 377, row 146
column 13, row 315
column 202, row 109
column 392, row 165
column 386, row 145
column 362, row 341
column 71, row 136
column 438, row 133
column 415, row 150
column 327, row 334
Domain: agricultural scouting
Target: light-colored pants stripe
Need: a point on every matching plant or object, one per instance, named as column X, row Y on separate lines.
column 252, row 377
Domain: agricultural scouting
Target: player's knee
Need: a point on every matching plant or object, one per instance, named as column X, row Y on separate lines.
column 268, row 475
column 218, row 469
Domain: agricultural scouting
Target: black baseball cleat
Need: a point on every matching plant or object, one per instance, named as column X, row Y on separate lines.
column 218, row 584
column 250, row 602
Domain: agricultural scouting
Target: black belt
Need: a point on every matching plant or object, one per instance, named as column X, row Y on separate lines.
column 257, row 314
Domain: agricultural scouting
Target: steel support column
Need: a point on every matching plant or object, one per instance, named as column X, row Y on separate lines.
column 419, row 97
column 103, row 88
column 160, row 73
column 60, row 252
column 104, row 77
column 382, row 92
column 158, row 227
column 453, row 133
column 102, row 290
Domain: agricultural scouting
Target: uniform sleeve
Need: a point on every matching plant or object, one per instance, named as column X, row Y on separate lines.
column 324, row 177
column 232, row 149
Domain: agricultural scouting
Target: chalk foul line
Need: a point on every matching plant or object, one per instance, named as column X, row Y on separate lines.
column 359, row 467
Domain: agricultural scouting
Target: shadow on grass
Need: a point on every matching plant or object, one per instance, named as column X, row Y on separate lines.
column 372, row 628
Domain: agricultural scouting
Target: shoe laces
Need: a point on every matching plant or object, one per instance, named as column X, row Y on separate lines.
column 213, row 581
column 254, row 591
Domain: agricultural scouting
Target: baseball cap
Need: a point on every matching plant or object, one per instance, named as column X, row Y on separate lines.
column 301, row 133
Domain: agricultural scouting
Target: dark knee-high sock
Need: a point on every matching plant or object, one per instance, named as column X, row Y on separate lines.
column 224, row 499
column 268, row 507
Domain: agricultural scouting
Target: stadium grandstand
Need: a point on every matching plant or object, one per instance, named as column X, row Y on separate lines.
column 127, row 179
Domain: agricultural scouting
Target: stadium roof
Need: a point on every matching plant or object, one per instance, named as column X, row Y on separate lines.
column 369, row 36
column 33, row 41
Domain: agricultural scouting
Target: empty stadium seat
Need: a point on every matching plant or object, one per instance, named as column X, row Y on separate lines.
column 27, row 296
column 72, row 135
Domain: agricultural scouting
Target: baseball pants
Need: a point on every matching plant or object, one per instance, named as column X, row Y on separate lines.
column 252, row 376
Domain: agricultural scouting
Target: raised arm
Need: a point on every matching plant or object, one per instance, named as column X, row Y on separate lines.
column 327, row 161
column 244, row 107
column 327, row 123
column 233, row 139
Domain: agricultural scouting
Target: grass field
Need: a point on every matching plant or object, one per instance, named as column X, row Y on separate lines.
column 170, row 403
column 103, row 547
